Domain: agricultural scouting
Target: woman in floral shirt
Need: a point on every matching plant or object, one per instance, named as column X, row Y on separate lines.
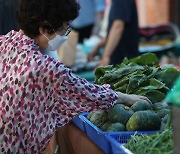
column 38, row 93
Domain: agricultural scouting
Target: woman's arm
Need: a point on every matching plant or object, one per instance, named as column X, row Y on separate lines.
column 74, row 95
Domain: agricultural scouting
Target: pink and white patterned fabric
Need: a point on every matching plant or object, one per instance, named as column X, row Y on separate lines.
column 39, row 94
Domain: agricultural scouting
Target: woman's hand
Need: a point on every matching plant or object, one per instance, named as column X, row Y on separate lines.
column 130, row 99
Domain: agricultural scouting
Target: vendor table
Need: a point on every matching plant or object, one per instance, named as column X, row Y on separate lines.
column 72, row 141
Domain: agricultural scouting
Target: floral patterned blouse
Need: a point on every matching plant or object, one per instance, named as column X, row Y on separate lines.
column 39, row 94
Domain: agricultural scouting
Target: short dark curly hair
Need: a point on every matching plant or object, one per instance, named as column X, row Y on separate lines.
column 32, row 14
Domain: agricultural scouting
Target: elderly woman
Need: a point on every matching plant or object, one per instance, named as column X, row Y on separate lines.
column 38, row 93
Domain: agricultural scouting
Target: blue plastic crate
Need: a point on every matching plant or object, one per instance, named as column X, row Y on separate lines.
column 116, row 147
column 96, row 135
column 99, row 137
column 118, row 138
column 78, row 122
column 122, row 137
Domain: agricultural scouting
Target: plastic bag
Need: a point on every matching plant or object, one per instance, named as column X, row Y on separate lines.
column 174, row 95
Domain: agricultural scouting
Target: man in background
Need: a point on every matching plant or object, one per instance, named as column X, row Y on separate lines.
column 89, row 20
column 123, row 33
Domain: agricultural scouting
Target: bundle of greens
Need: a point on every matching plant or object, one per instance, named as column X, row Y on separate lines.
column 140, row 75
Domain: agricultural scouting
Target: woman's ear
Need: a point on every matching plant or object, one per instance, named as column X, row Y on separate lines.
column 41, row 30
column 43, row 27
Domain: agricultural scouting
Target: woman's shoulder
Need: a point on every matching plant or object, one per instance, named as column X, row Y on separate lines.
column 5, row 37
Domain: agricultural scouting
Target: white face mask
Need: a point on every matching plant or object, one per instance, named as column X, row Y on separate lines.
column 55, row 42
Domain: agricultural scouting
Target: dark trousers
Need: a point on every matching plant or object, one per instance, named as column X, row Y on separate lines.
column 84, row 32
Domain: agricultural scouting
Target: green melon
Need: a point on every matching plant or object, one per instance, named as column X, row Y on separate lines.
column 144, row 121
column 120, row 113
column 161, row 113
column 90, row 114
column 105, row 126
column 160, row 105
column 99, row 118
column 116, row 127
column 141, row 105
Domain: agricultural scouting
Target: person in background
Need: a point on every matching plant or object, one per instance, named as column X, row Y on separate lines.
column 89, row 20
column 37, row 92
column 123, row 34
column 7, row 16
column 104, row 25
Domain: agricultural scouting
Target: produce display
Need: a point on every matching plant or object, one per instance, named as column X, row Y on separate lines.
column 134, row 118
column 141, row 76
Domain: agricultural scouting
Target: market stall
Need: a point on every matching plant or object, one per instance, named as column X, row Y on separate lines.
column 113, row 128
column 123, row 129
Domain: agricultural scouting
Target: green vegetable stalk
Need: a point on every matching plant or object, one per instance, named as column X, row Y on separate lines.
column 159, row 143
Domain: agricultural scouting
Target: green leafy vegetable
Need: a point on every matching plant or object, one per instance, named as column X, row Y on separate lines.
column 168, row 76
column 145, row 59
